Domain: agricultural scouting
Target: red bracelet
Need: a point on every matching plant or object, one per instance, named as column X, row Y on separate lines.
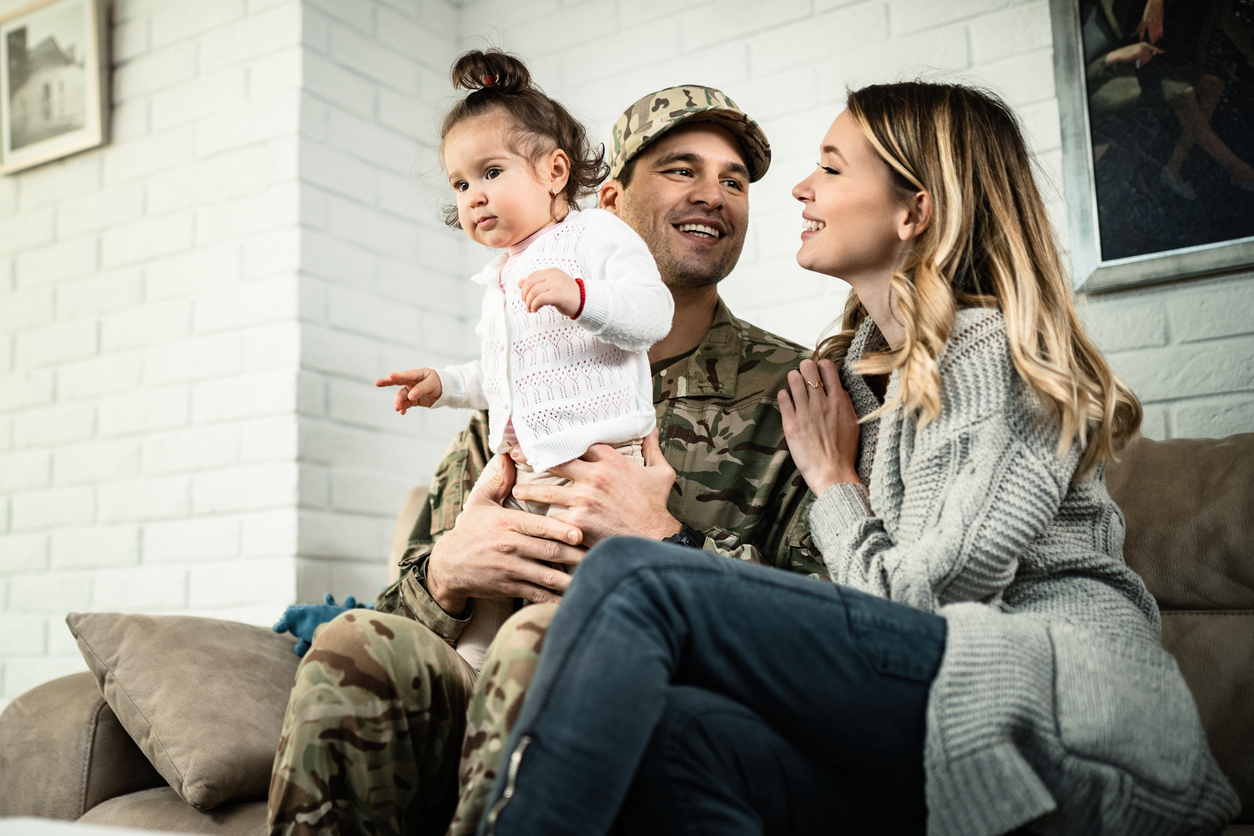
column 583, row 297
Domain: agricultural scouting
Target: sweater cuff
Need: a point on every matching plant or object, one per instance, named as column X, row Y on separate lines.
column 452, row 387
column 596, row 307
column 841, row 506
column 427, row 611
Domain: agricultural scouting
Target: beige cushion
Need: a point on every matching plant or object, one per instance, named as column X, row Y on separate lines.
column 1189, row 504
column 414, row 500
column 203, row 699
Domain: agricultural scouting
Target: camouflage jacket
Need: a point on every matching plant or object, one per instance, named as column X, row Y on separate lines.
column 720, row 430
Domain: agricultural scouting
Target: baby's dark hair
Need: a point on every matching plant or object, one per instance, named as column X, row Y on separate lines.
column 499, row 81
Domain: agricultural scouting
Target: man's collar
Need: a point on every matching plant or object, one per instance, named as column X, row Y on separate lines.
column 711, row 370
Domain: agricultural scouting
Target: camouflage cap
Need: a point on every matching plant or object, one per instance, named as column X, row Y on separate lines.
column 656, row 113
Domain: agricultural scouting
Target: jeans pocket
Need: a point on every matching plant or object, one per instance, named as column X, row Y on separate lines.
column 1122, row 701
column 896, row 640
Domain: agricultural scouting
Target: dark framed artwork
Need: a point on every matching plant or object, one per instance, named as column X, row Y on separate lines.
column 1156, row 99
column 53, row 80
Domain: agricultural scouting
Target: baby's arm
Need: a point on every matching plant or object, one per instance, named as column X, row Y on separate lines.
column 625, row 302
column 552, row 287
column 419, row 387
column 460, row 387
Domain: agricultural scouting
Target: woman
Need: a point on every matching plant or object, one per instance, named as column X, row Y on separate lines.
column 984, row 660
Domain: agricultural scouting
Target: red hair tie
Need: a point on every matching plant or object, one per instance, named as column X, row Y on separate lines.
column 489, row 80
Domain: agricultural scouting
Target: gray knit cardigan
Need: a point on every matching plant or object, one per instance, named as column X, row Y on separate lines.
column 1055, row 703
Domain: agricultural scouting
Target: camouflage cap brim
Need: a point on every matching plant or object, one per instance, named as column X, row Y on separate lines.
column 657, row 113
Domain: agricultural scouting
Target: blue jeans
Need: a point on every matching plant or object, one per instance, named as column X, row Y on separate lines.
column 831, row 681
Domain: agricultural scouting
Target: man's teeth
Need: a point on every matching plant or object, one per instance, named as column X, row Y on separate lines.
column 700, row 229
column 811, row 226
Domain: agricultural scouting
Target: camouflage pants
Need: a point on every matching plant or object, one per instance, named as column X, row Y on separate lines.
column 375, row 719
column 508, row 668
column 372, row 731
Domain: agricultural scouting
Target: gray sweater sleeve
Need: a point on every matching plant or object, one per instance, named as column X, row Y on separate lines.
column 982, row 482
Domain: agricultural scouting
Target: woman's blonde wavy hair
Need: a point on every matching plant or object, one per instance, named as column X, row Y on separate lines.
column 989, row 244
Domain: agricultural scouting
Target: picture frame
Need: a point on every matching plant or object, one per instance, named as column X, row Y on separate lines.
column 54, row 81
column 1154, row 183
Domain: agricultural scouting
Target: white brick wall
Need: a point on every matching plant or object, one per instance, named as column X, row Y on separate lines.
column 191, row 317
column 375, row 263
column 147, row 349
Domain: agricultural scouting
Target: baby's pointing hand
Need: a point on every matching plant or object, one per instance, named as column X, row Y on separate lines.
column 419, row 387
column 550, row 287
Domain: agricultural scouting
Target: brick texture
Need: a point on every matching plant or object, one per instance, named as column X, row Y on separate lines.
column 136, row 352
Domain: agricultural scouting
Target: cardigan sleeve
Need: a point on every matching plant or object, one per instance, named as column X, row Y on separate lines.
column 462, row 386
column 625, row 302
column 980, row 484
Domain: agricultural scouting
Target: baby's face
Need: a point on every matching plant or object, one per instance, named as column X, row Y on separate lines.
column 500, row 201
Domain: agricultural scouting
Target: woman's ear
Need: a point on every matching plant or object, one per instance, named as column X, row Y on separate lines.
column 917, row 217
column 556, row 170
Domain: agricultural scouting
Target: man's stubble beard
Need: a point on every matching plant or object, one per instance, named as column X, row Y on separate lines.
column 679, row 273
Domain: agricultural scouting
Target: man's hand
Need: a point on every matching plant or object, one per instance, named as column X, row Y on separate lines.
column 495, row 552
column 550, row 287
column 610, row 495
column 419, row 387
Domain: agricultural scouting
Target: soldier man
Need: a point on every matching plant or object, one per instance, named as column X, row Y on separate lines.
column 383, row 706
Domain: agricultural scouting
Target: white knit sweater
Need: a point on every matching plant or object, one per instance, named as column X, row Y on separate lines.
column 568, row 384
column 1055, row 702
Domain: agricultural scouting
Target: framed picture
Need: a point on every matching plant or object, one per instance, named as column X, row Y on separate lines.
column 1157, row 108
column 54, row 69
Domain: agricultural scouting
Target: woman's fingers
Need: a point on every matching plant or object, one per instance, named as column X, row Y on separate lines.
column 799, row 390
column 830, row 376
column 787, row 413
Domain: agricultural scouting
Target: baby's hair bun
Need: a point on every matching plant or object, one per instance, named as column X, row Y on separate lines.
column 490, row 70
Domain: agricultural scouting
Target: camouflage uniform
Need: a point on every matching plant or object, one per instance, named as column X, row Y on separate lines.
column 719, row 429
column 656, row 113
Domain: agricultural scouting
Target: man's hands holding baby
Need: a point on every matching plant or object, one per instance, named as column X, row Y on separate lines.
column 419, row 387
column 551, row 287
column 496, row 552
column 609, row 495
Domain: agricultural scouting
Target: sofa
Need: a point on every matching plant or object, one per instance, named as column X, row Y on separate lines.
column 91, row 747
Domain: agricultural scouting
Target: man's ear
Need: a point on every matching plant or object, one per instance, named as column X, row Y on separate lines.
column 917, row 216
column 611, row 197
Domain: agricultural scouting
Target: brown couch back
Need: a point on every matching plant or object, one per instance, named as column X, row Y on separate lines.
column 1189, row 505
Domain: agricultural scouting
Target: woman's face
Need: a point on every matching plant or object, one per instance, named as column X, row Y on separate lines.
column 853, row 215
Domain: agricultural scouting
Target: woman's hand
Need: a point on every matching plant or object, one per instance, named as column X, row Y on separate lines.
column 550, row 287
column 821, row 425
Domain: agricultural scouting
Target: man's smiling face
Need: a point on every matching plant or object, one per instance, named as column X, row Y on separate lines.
column 689, row 201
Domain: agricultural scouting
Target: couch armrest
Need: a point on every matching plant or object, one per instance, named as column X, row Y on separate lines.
column 404, row 524
column 63, row 751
